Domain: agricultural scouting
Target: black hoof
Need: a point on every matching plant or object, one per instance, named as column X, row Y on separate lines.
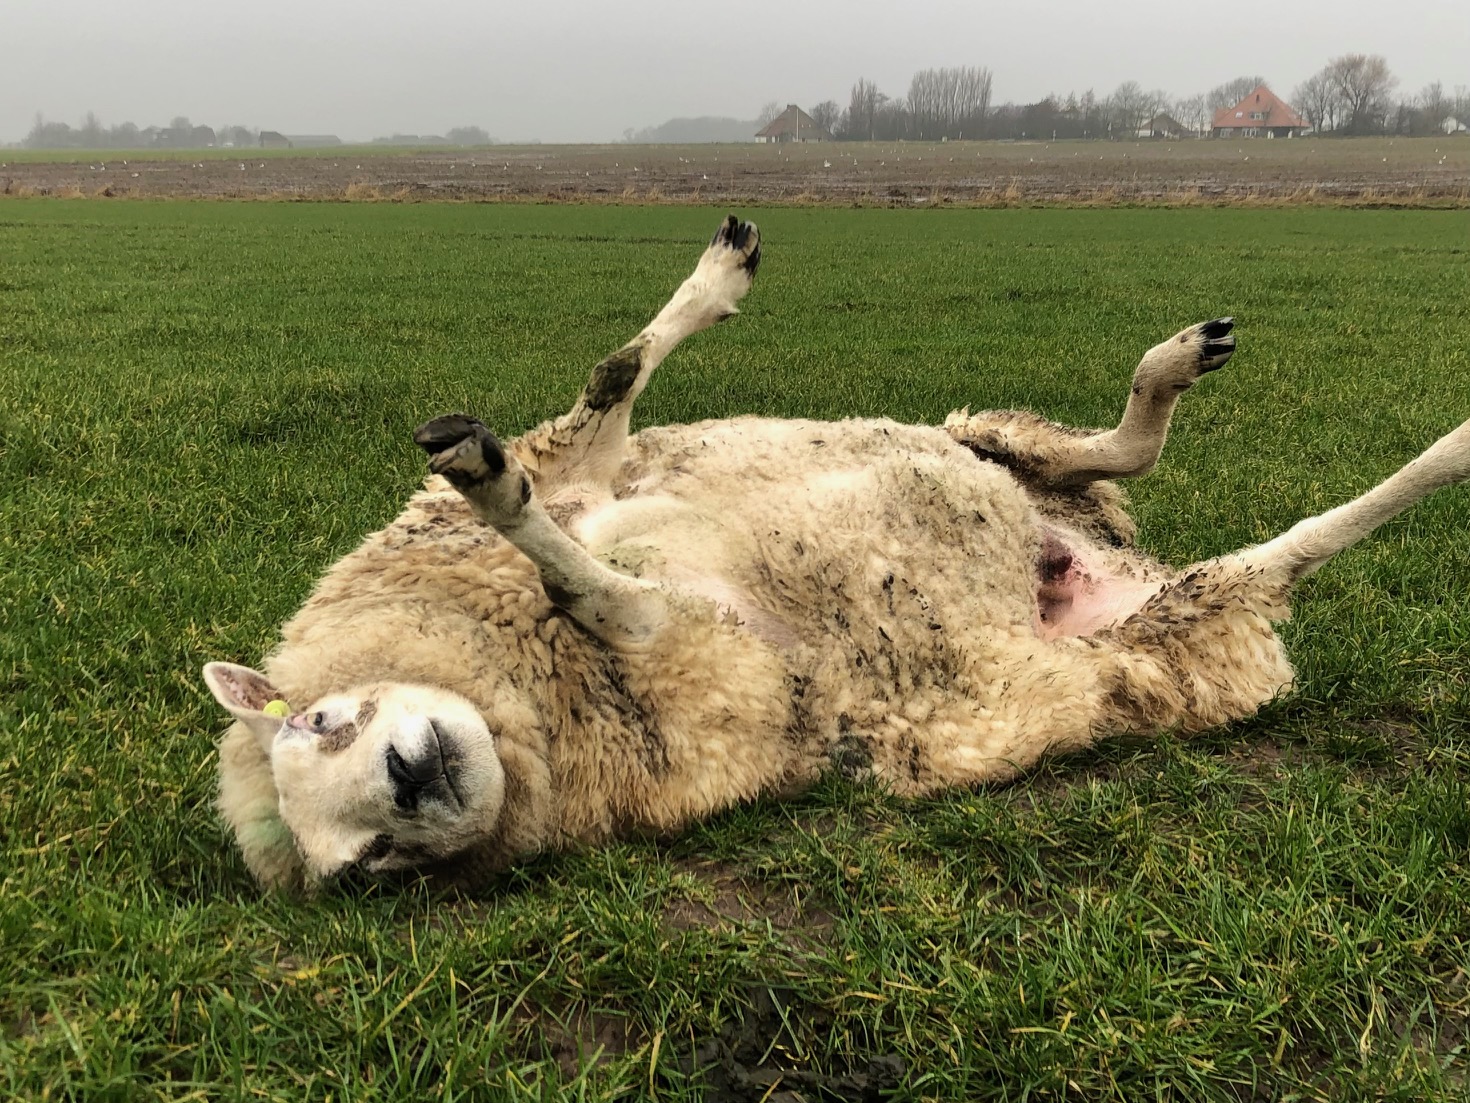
column 1219, row 346
column 737, row 234
column 441, row 439
column 445, row 432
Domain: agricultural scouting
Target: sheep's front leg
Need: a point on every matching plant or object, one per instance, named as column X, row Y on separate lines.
column 618, row 610
column 585, row 446
column 1057, row 456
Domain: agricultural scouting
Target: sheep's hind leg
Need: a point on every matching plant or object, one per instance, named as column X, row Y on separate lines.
column 1056, row 456
column 1200, row 651
column 613, row 607
column 1308, row 544
column 585, row 446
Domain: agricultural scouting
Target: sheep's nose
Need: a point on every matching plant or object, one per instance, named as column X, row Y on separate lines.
column 415, row 772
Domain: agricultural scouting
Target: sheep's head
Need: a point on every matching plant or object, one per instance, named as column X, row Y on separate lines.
column 382, row 778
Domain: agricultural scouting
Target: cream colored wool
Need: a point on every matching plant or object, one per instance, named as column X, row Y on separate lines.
column 740, row 605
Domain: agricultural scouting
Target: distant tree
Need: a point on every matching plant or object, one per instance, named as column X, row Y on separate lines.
column 468, row 136
column 1362, row 83
column 949, row 103
column 44, row 135
column 826, row 114
column 238, row 136
column 1316, row 99
column 1434, row 107
column 863, row 106
column 1129, row 107
column 1190, row 111
column 181, row 122
column 1462, row 104
column 92, row 134
column 1231, row 92
column 768, row 114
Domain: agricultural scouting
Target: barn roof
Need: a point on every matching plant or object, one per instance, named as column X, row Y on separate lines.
column 793, row 121
column 1276, row 110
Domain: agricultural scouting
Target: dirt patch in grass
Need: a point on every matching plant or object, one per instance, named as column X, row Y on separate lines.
column 724, row 898
column 576, row 1036
column 764, row 1058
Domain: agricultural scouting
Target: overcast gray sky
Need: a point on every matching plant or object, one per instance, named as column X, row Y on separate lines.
column 583, row 71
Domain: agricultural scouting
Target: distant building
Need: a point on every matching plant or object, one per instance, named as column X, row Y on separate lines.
column 1164, row 125
column 794, row 125
column 180, row 137
column 313, row 141
column 1262, row 114
column 274, row 139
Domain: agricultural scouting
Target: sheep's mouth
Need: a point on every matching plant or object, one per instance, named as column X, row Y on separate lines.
column 452, row 761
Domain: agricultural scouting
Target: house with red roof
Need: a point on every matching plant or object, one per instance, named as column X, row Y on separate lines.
column 1262, row 114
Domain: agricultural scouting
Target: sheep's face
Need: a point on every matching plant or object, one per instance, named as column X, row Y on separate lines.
column 382, row 777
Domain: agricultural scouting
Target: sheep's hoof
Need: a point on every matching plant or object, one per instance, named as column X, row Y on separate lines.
column 1216, row 346
column 743, row 239
column 461, row 449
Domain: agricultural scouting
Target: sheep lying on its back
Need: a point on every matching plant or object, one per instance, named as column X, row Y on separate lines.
column 583, row 633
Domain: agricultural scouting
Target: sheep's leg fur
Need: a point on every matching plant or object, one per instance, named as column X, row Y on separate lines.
column 615, row 608
column 585, row 446
column 1057, row 456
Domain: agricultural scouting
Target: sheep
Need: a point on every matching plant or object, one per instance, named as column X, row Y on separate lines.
column 582, row 634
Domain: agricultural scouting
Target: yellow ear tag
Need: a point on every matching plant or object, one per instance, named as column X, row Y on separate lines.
column 277, row 708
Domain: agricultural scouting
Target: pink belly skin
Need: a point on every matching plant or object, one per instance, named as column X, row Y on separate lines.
column 1075, row 597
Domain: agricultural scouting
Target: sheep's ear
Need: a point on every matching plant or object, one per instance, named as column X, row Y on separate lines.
column 245, row 693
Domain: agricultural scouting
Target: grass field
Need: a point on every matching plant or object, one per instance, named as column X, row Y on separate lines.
column 201, row 405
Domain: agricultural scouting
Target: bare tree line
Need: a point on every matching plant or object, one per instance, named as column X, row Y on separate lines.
column 181, row 133
column 1351, row 95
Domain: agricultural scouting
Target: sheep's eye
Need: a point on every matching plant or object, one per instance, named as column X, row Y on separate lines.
column 319, row 721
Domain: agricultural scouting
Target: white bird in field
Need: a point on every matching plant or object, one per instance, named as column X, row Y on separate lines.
column 826, row 164
column 242, row 166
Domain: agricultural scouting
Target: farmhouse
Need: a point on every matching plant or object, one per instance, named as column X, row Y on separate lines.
column 1262, row 114
column 794, row 125
column 274, row 139
column 1164, row 125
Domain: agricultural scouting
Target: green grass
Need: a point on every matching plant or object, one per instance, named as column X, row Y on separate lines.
column 201, row 405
